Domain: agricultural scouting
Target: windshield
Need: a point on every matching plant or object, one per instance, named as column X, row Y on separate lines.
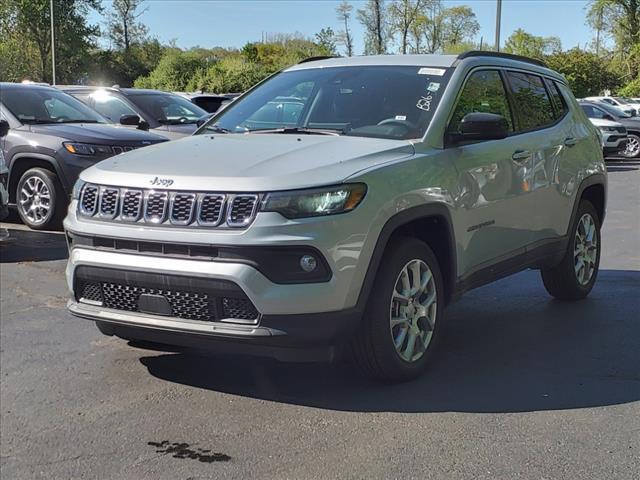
column 394, row 102
column 46, row 105
column 168, row 109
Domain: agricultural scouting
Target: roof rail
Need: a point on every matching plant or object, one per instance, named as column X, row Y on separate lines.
column 486, row 53
column 318, row 57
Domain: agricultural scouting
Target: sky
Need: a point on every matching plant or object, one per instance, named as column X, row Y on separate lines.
column 227, row 23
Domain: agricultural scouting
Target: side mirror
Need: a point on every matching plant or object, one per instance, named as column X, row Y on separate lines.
column 482, row 126
column 131, row 120
column 4, row 128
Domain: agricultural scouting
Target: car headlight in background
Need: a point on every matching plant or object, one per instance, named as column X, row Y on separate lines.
column 87, row 149
column 77, row 188
column 315, row 202
column 608, row 129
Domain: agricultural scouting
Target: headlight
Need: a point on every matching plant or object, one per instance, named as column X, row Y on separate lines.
column 315, row 202
column 77, row 188
column 608, row 129
column 87, row 149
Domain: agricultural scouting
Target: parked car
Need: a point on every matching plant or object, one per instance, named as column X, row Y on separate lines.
column 614, row 114
column 4, row 176
column 208, row 101
column 164, row 113
column 617, row 102
column 402, row 183
column 52, row 138
column 614, row 136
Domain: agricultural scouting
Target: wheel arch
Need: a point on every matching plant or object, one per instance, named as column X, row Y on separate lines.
column 430, row 223
column 23, row 162
column 594, row 189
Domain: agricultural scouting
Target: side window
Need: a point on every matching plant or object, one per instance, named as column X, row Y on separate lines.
column 592, row 112
column 110, row 106
column 484, row 92
column 559, row 104
column 533, row 105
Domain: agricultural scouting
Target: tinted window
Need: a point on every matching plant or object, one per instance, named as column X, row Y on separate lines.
column 531, row 101
column 372, row 101
column 110, row 106
column 559, row 104
column 593, row 112
column 46, row 105
column 168, row 109
column 483, row 92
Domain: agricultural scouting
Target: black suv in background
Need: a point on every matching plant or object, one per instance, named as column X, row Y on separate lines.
column 168, row 114
column 610, row 112
column 53, row 137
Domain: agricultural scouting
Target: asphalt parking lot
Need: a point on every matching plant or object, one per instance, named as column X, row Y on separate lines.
column 524, row 387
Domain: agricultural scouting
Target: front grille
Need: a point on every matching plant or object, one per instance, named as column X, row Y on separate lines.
column 242, row 210
column 131, row 205
column 622, row 130
column 89, row 200
column 168, row 207
column 186, row 304
column 239, row 308
column 182, row 207
column 155, row 207
column 108, row 202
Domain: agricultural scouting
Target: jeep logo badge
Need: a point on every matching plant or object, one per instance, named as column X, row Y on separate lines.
column 162, row 182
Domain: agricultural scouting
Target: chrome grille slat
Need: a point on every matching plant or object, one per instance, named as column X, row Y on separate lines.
column 155, row 206
column 167, row 207
column 181, row 208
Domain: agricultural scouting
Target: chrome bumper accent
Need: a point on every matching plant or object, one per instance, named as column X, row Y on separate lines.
column 168, row 323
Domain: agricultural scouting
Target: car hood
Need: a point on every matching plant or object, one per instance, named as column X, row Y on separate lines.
column 249, row 162
column 601, row 122
column 97, row 133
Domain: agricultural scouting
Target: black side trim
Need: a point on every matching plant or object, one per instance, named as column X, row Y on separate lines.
column 483, row 53
column 18, row 157
column 433, row 210
column 594, row 179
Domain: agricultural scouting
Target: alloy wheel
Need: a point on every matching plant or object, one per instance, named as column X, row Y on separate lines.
column 413, row 310
column 585, row 250
column 35, row 200
column 633, row 147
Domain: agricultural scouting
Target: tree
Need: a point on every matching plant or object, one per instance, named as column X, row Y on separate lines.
column 620, row 21
column 124, row 29
column 429, row 28
column 528, row 45
column 460, row 25
column 586, row 73
column 31, row 21
column 373, row 18
column 403, row 15
column 326, row 40
column 344, row 37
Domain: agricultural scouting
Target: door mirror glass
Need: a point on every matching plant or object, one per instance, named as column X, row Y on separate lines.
column 4, row 128
column 131, row 120
column 482, row 126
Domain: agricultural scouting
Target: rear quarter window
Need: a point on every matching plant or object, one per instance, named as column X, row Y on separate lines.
column 560, row 106
column 531, row 101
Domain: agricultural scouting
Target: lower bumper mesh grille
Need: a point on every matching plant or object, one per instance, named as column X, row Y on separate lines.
column 186, row 304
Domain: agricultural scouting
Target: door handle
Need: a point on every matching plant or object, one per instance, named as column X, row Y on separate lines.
column 570, row 141
column 520, row 155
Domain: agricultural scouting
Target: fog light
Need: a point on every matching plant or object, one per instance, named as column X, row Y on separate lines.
column 308, row 263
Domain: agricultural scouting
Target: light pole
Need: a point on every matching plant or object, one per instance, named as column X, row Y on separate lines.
column 498, row 19
column 53, row 45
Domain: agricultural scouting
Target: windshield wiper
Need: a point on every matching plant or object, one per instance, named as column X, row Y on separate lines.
column 299, row 130
column 166, row 121
column 217, row 129
column 79, row 121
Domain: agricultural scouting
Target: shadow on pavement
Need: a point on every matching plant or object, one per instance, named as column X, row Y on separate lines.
column 508, row 347
column 33, row 246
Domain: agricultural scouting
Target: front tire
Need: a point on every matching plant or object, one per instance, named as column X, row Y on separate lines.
column 633, row 147
column 401, row 326
column 40, row 199
column 574, row 277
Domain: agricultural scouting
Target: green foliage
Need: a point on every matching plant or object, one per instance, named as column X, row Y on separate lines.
column 174, row 71
column 326, row 40
column 586, row 73
column 631, row 89
column 523, row 43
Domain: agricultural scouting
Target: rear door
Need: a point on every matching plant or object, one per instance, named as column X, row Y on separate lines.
column 546, row 140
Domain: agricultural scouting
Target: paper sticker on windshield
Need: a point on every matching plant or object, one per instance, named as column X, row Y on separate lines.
column 433, row 87
column 425, row 103
column 401, row 117
column 431, row 71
